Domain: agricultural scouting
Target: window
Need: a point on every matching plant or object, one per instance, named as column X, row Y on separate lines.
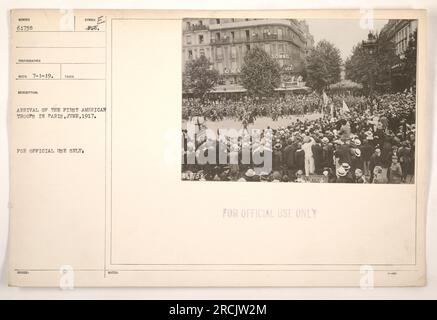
column 247, row 35
column 190, row 54
column 279, row 33
column 233, row 66
column 233, row 52
column 202, row 52
column 188, row 25
column 219, row 53
column 402, row 37
column 233, row 35
column 267, row 48
column 200, row 38
column 188, row 39
column 247, row 47
column 217, row 36
column 217, row 21
column 200, row 23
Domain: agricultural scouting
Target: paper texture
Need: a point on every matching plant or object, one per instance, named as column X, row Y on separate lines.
column 96, row 192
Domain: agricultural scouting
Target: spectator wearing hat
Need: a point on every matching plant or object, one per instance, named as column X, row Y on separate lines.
column 366, row 152
column 395, row 151
column 386, row 153
column 342, row 176
column 318, row 156
column 378, row 176
column 343, row 153
column 309, row 157
column 251, row 176
column 299, row 177
column 299, row 158
column 276, row 176
column 288, row 156
column 375, row 161
column 405, row 159
column 394, row 173
column 357, row 161
column 327, row 153
column 233, row 161
column 359, row 176
column 277, row 157
column 329, row 174
column 349, row 172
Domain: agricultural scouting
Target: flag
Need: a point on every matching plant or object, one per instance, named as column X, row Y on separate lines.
column 345, row 107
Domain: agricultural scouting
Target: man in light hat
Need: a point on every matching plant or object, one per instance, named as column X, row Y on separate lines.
column 349, row 173
column 277, row 157
column 327, row 153
column 342, row 175
column 357, row 161
column 251, row 176
column 309, row 158
column 375, row 161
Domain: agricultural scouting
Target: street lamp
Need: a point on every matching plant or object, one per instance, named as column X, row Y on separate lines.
column 370, row 45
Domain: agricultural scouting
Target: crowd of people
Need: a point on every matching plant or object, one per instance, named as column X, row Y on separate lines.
column 247, row 109
column 373, row 141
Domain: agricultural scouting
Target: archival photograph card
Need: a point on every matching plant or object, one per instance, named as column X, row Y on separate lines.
column 218, row 148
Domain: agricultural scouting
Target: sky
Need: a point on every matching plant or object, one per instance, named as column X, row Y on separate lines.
column 344, row 34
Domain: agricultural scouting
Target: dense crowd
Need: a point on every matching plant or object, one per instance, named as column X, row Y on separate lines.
column 372, row 142
column 249, row 109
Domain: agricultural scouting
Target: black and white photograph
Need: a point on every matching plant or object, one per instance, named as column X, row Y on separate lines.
column 304, row 101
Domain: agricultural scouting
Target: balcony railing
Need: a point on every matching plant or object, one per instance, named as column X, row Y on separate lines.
column 221, row 41
column 253, row 38
column 196, row 27
column 270, row 36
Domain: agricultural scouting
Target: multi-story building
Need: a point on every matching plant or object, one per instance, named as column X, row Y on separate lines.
column 400, row 31
column 309, row 38
column 196, row 39
column 225, row 42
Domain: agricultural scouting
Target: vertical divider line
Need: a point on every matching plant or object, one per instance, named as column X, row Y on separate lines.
column 106, row 113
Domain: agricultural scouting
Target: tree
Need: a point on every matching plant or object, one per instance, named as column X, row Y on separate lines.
column 374, row 67
column 260, row 73
column 199, row 77
column 359, row 67
column 323, row 65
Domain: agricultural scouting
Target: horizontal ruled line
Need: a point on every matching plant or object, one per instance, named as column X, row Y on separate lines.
column 59, row 47
column 59, row 62
column 62, row 31
column 219, row 270
column 58, row 79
